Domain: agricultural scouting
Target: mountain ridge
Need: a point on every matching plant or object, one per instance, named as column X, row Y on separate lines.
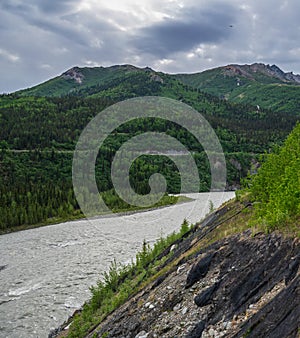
column 77, row 78
column 44, row 126
column 258, row 84
column 96, row 75
column 76, row 74
column 249, row 71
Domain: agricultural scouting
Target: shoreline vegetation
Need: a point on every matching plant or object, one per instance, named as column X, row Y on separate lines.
column 167, row 200
column 267, row 208
column 121, row 283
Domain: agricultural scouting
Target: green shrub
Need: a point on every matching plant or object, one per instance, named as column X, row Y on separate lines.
column 276, row 187
column 121, row 281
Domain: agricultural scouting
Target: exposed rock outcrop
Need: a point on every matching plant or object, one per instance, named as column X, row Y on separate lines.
column 74, row 74
column 250, row 71
column 240, row 286
column 156, row 78
column 245, row 285
column 2, row 267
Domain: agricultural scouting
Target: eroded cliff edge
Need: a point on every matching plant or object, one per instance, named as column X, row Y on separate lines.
column 243, row 285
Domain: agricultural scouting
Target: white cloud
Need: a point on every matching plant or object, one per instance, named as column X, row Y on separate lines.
column 91, row 63
column 9, row 56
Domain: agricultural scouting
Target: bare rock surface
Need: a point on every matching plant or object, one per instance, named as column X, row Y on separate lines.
column 238, row 286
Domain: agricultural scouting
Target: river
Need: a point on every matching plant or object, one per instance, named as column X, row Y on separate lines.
column 45, row 273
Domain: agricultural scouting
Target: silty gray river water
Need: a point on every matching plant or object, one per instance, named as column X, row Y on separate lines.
column 45, row 273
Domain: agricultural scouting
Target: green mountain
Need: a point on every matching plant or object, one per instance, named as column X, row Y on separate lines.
column 78, row 81
column 40, row 127
column 257, row 84
column 53, row 114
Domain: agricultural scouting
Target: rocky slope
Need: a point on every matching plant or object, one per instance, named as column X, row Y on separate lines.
column 255, row 70
column 257, row 84
column 241, row 74
column 244, row 285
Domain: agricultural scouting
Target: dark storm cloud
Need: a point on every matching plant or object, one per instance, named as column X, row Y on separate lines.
column 32, row 15
column 40, row 39
column 29, row 7
column 68, row 28
column 37, row 44
column 190, row 29
column 55, row 6
column 14, row 7
column 63, row 31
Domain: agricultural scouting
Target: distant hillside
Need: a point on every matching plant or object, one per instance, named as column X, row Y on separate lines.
column 41, row 125
column 51, row 122
column 76, row 79
column 257, row 84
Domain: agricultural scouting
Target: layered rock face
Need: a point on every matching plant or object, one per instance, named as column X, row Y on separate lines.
column 241, row 286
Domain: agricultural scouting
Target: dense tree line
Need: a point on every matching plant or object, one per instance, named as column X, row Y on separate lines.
column 38, row 123
column 276, row 187
column 36, row 183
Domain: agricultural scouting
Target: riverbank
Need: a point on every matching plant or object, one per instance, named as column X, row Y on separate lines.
column 49, row 270
column 207, row 283
column 79, row 216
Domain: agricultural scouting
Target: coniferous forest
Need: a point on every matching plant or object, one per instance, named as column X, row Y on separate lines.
column 39, row 133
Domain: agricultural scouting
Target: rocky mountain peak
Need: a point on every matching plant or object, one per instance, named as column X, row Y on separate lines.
column 73, row 74
column 251, row 71
column 276, row 69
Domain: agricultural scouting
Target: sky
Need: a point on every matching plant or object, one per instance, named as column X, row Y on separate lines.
column 40, row 39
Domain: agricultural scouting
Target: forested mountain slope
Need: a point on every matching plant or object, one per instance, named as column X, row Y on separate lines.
column 76, row 80
column 257, row 84
column 40, row 127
